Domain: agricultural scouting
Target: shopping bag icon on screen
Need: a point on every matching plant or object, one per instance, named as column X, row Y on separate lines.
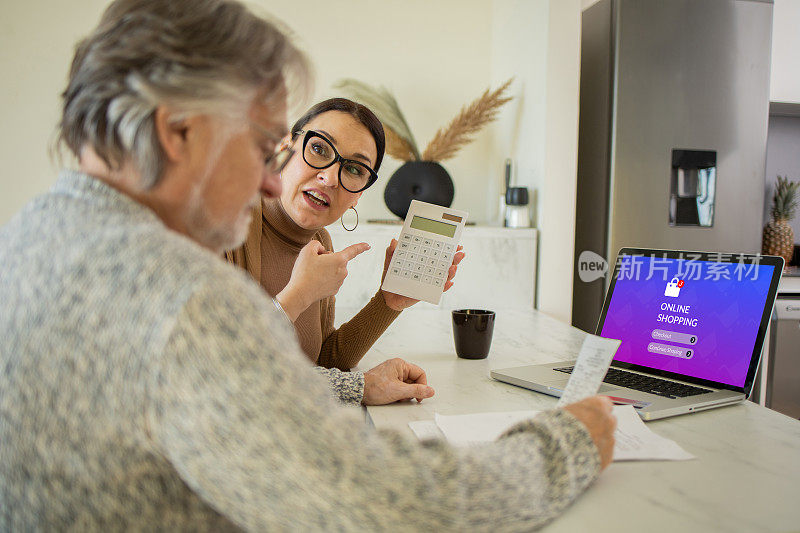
column 673, row 287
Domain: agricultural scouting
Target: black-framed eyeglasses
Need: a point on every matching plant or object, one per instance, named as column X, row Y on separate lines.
column 319, row 153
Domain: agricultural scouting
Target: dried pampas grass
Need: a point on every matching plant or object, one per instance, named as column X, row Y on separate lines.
column 400, row 143
column 398, row 147
column 448, row 141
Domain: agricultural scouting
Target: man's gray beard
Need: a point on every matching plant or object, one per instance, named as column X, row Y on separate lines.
column 215, row 237
column 198, row 226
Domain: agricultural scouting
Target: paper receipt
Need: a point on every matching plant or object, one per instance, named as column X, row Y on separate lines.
column 590, row 369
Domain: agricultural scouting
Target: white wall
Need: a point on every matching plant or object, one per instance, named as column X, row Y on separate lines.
column 37, row 39
column 435, row 57
column 557, row 237
column 519, row 50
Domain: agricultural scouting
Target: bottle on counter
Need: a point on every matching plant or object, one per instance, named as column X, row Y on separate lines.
column 517, row 213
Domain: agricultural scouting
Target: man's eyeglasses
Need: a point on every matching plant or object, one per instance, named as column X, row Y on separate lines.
column 319, row 153
column 276, row 162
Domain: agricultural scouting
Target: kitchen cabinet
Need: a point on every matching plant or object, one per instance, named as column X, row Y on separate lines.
column 785, row 73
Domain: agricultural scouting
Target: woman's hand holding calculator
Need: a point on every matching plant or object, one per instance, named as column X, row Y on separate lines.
column 399, row 302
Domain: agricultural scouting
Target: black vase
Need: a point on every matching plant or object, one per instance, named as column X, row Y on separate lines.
column 427, row 181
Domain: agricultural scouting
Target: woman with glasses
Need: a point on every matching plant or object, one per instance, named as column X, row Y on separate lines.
column 330, row 157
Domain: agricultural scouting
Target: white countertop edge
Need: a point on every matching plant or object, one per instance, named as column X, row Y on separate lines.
column 476, row 231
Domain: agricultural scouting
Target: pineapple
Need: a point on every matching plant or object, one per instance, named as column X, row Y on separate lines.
column 778, row 236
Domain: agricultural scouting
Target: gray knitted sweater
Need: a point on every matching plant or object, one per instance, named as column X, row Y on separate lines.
column 148, row 385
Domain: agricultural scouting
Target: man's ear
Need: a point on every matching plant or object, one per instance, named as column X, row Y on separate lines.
column 172, row 134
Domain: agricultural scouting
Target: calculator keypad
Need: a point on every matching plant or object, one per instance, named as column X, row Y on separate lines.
column 422, row 259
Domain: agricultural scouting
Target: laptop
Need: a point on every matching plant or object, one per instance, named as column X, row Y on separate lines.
column 692, row 325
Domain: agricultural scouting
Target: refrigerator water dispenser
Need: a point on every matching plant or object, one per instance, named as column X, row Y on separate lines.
column 692, row 187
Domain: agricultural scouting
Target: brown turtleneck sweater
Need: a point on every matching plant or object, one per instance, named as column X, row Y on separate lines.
column 269, row 254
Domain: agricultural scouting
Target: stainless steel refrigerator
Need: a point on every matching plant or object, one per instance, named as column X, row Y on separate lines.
column 674, row 104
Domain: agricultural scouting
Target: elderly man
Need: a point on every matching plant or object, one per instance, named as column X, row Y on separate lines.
column 146, row 384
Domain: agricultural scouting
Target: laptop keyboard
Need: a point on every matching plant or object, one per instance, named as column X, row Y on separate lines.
column 648, row 384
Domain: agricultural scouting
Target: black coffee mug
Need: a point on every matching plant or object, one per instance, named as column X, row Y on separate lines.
column 472, row 332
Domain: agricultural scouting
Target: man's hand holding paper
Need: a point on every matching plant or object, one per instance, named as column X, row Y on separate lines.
column 590, row 369
column 594, row 412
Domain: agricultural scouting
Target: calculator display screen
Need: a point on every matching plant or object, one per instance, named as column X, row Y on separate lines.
column 434, row 226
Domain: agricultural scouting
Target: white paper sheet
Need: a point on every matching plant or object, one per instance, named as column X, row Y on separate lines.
column 426, row 430
column 590, row 369
column 634, row 440
column 463, row 430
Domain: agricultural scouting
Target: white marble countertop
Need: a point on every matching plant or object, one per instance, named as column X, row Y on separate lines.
column 746, row 476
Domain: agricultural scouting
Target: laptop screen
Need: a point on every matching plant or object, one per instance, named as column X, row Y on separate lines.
column 687, row 316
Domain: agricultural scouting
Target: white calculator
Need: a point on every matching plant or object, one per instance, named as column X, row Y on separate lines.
column 425, row 251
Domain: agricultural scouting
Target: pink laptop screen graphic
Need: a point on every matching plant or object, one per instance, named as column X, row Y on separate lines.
column 697, row 318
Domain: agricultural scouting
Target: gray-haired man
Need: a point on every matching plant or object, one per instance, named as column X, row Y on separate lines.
column 146, row 384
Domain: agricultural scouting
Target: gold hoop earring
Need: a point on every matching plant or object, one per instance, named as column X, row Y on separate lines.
column 342, row 220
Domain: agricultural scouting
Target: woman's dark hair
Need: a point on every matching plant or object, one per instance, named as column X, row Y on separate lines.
column 359, row 112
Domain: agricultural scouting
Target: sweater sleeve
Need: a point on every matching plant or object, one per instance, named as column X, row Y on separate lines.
column 255, row 433
column 346, row 387
column 343, row 348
